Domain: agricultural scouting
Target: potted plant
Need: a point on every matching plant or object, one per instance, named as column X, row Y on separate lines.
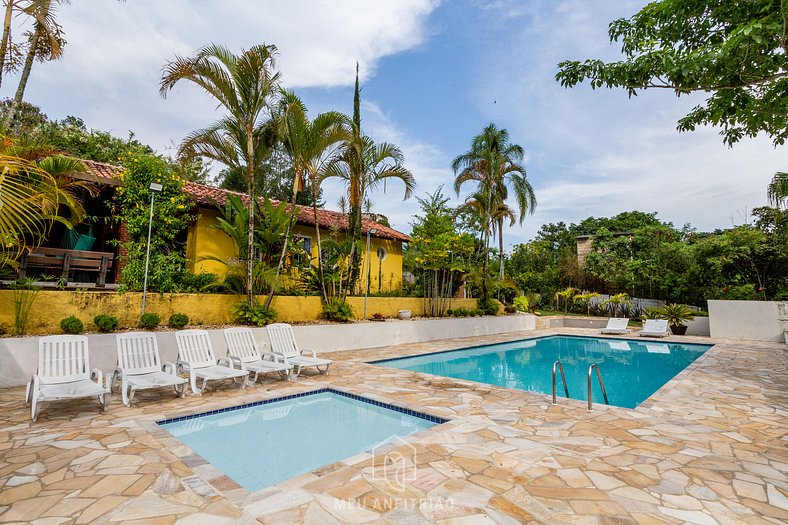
column 677, row 315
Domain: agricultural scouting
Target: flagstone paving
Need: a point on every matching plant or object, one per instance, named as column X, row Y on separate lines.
column 709, row 447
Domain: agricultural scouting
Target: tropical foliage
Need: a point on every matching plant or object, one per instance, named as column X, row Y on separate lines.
column 244, row 86
column 735, row 51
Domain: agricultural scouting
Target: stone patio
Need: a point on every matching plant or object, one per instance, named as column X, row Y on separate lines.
column 709, row 447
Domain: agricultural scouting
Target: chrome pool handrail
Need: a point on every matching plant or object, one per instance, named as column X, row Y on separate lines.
column 563, row 380
column 601, row 385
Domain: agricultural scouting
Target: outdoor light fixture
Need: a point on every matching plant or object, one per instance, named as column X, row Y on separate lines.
column 371, row 231
column 155, row 187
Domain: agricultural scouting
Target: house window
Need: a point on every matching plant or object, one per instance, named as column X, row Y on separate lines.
column 382, row 253
column 303, row 259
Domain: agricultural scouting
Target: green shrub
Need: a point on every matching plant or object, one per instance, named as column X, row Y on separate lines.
column 257, row 315
column 652, row 313
column 178, row 320
column 521, row 303
column 510, row 309
column 534, row 299
column 488, row 306
column 72, row 325
column 106, row 323
column 449, row 312
column 480, row 313
column 150, row 320
column 677, row 314
column 336, row 310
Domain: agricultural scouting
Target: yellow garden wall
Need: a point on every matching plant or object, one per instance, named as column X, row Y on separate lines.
column 50, row 307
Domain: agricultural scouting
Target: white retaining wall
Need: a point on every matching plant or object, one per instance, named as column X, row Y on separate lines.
column 18, row 356
column 759, row 320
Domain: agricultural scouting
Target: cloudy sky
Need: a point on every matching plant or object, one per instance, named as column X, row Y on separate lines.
column 433, row 75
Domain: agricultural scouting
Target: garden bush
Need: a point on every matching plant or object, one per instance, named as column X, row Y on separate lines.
column 150, row 320
column 510, row 309
column 257, row 315
column 178, row 320
column 489, row 306
column 106, row 323
column 336, row 310
column 72, row 325
column 521, row 303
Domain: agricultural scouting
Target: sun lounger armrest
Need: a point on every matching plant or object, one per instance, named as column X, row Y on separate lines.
column 225, row 361
column 273, row 356
column 169, row 367
column 97, row 376
column 236, row 362
column 306, row 351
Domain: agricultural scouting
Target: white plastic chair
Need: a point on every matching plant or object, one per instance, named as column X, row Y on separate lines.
column 283, row 344
column 655, row 328
column 246, row 355
column 195, row 356
column 616, row 325
column 140, row 367
column 64, row 373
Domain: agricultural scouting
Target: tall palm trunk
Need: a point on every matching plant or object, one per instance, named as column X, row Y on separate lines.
column 293, row 212
column 252, row 206
column 500, row 248
column 20, row 90
column 319, row 246
column 6, row 40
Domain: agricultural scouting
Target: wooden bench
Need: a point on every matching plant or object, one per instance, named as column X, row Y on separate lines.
column 67, row 260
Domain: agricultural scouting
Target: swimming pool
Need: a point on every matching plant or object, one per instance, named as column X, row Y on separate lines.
column 631, row 370
column 263, row 443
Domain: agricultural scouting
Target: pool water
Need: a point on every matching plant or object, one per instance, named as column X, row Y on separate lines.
column 631, row 370
column 263, row 444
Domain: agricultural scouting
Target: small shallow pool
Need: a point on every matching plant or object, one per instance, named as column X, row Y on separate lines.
column 264, row 443
column 632, row 370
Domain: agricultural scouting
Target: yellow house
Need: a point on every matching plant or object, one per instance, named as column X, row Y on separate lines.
column 205, row 242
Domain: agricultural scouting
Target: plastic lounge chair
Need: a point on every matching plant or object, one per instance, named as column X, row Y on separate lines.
column 283, row 344
column 140, row 367
column 616, row 325
column 246, row 355
column 64, row 373
column 655, row 328
column 195, row 356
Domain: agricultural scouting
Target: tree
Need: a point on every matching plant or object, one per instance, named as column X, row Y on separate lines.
column 735, row 51
column 244, row 86
column 363, row 165
column 494, row 164
column 778, row 190
column 310, row 144
column 45, row 43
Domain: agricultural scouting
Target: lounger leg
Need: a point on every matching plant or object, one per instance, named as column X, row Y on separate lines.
column 251, row 381
column 180, row 390
column 284, row 375
column 103, row 401
column 35, row 407
column 28, row 390
column 195, row 388
column 323, row 372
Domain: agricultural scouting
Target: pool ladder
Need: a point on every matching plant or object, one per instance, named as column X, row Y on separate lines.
column 558, row 366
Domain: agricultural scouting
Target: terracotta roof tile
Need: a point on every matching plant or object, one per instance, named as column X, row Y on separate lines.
column 208, row 195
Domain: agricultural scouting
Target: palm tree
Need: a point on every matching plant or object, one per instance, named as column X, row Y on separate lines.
column 363, row 165
column 778, row 190
column 6, row 45
column 311, row 145
column 494, row 164
column 46, row 42
column 245, row 86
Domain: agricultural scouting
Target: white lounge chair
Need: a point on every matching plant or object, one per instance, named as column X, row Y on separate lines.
column 140, row 367
column 64, row 373
column 616, row 325
column 195, row 356
column 655, row 328
column 246, row 355
column 283, row 344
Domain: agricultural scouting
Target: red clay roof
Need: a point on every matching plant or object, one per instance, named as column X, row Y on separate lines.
column 210, row 195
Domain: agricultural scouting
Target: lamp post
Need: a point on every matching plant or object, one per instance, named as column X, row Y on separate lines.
column 371, row 231
column 154, row 188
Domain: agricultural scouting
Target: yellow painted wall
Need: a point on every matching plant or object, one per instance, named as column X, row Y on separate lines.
column 204, row 240
column 50, row 307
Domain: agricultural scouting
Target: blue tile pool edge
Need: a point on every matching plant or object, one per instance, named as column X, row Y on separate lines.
column 421, row 415
column 574, row 336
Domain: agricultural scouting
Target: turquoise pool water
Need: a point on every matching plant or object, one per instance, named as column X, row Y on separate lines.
column 631, row 370
column 262, row 444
